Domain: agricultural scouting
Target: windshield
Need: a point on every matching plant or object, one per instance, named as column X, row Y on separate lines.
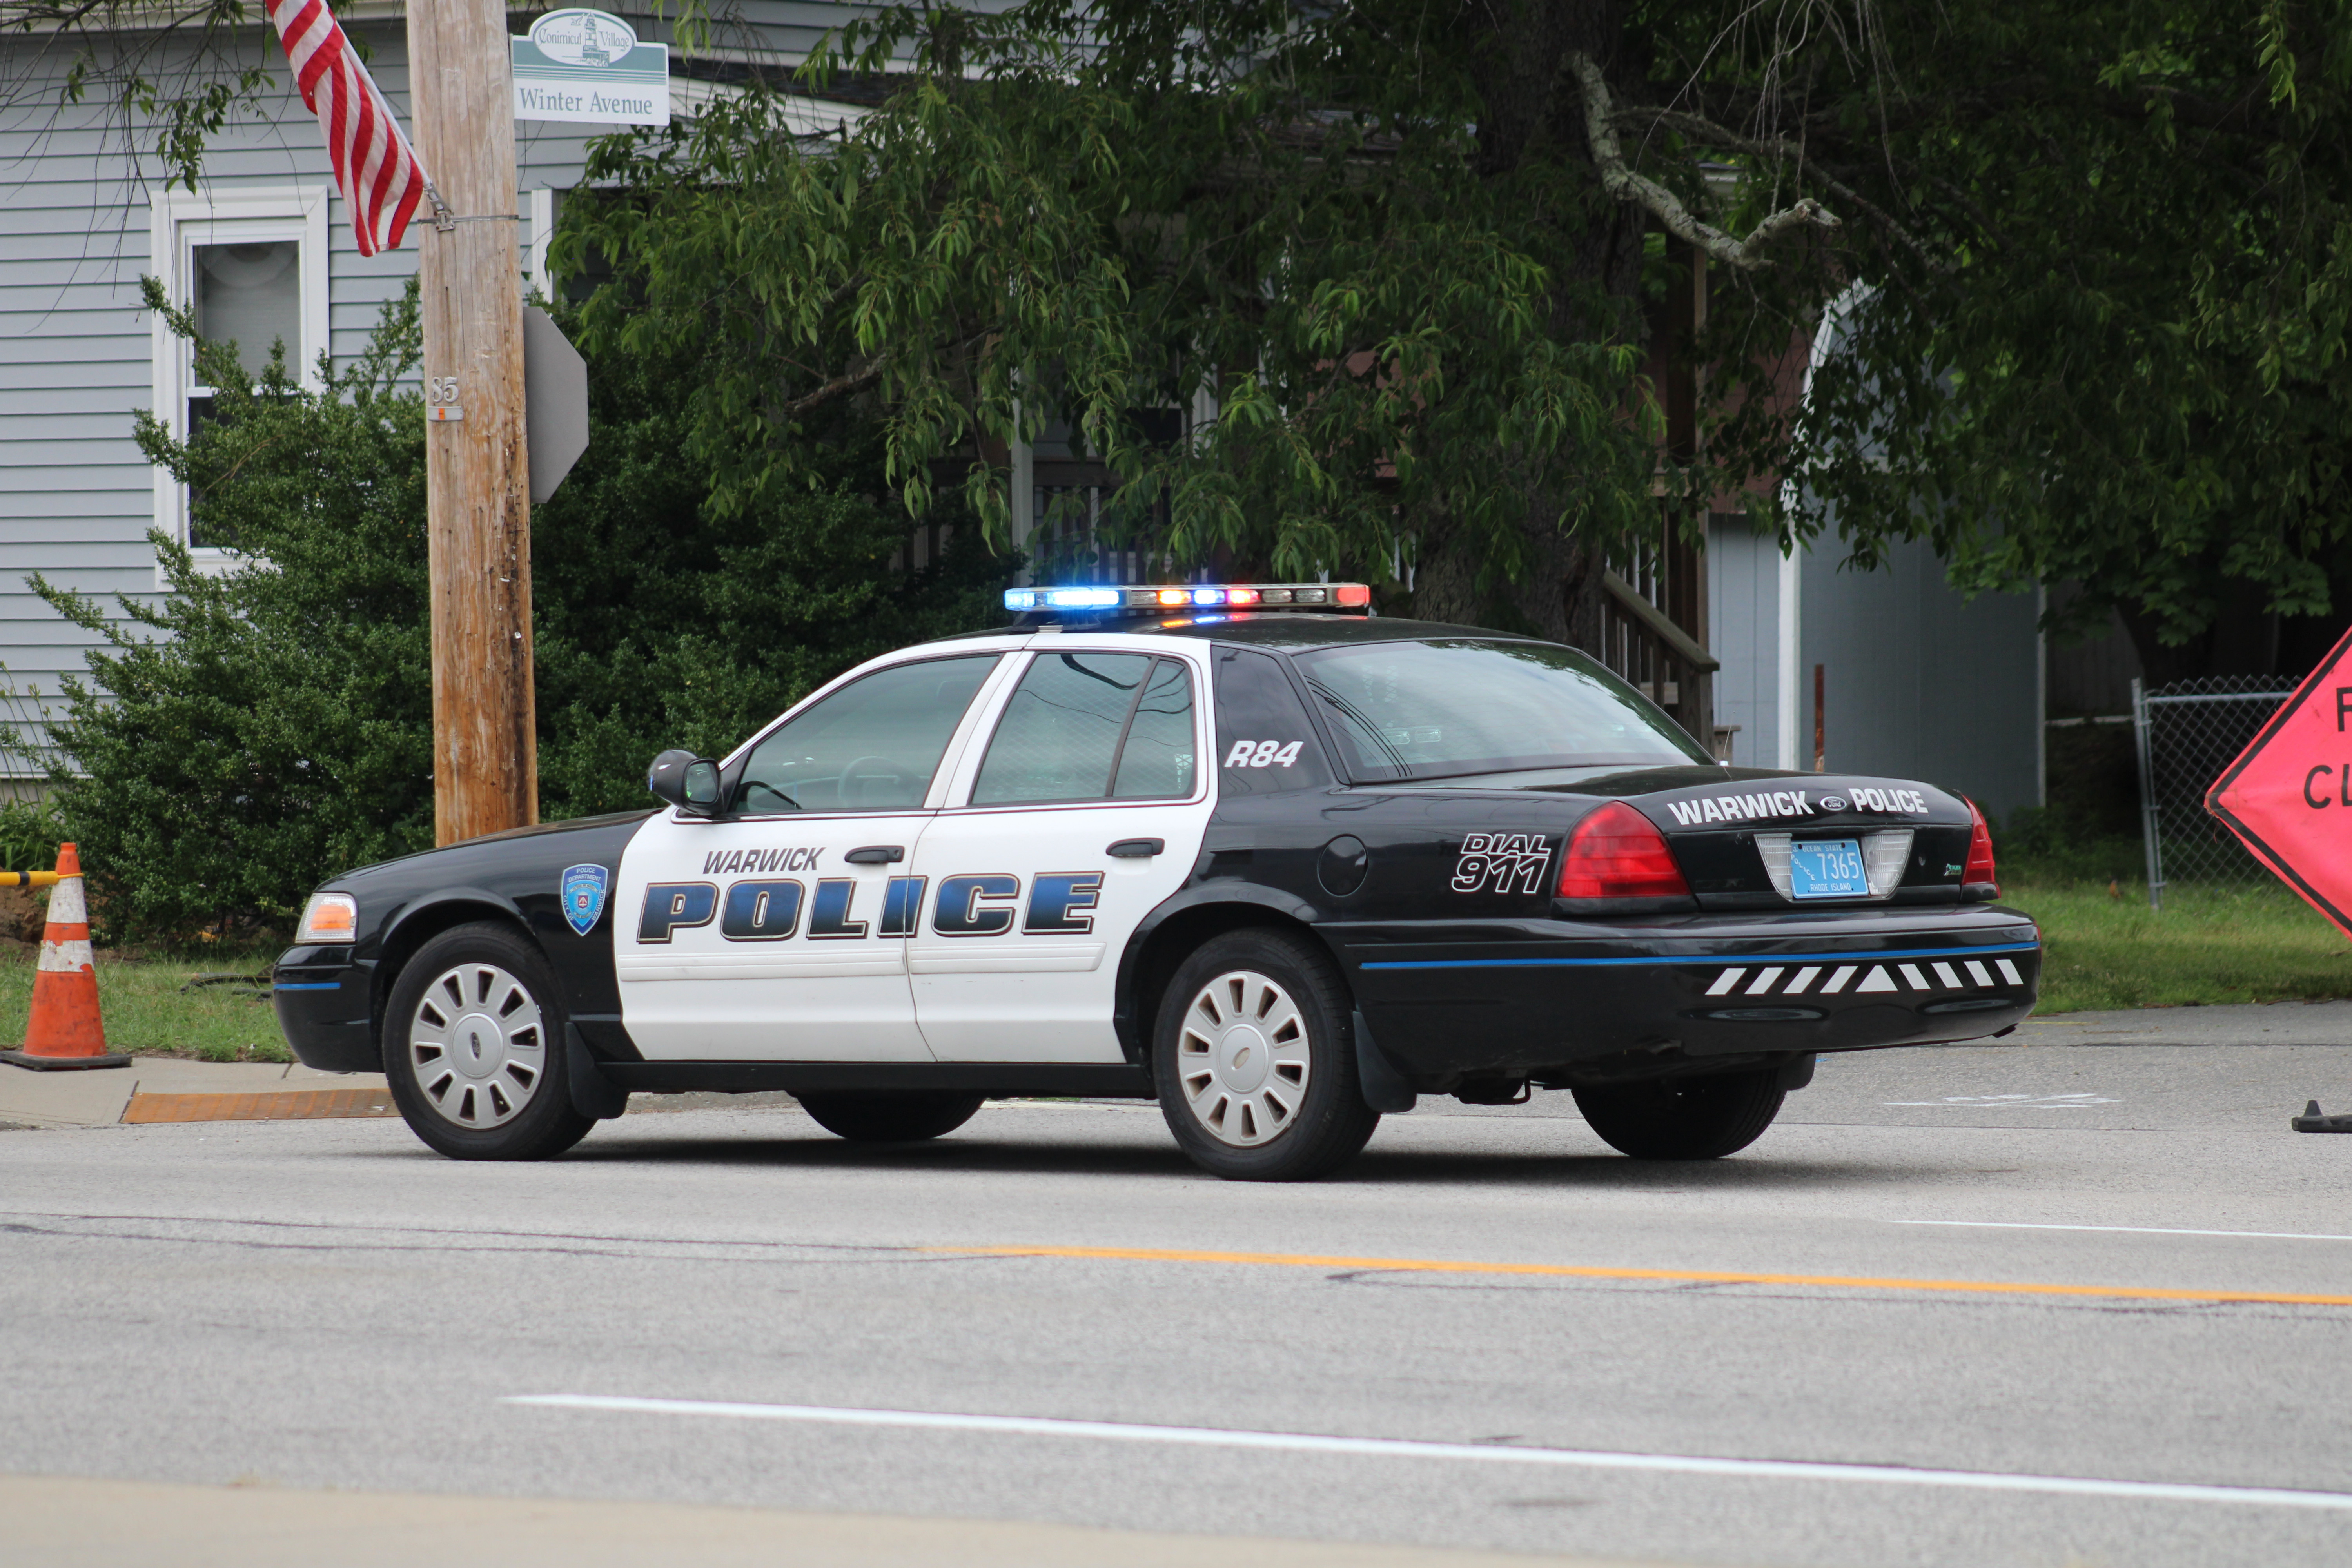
column 1439, row 709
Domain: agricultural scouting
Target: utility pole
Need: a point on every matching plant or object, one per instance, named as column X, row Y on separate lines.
column 477, row 464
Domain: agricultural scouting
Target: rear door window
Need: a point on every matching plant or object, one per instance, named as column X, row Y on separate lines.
column 1092, row 726
column 1264, row 743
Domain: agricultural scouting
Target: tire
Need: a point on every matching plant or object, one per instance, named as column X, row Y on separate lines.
column 1254, row 1059
column 473, row 1047
column 1683, row 1118
column 890, row 1118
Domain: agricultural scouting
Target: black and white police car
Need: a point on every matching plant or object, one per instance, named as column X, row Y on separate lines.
column 1251, row 851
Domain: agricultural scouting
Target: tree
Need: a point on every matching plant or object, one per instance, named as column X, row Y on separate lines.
column 2106, row 342
column 257, row 731
column 2085, row 260
column 253, row 731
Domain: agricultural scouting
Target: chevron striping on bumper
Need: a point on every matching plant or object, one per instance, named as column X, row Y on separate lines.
column 1759, row 979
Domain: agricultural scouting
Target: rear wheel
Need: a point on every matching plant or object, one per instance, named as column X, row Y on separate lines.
column 1251, row 1055
column 473, row 1047
column 890, row 1118
column 1683, row 1118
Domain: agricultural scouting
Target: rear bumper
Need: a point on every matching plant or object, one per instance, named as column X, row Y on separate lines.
column 1682, row 994
column 325, row 1005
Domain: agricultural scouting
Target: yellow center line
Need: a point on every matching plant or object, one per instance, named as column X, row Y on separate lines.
column 1679, row 1275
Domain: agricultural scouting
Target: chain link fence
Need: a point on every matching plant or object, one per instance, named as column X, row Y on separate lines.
column 2188, row 733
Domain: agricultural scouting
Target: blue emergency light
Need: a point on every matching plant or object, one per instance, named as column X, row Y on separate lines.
column 1136, row 599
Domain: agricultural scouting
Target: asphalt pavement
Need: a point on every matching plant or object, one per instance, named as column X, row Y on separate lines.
column 2076, row 1297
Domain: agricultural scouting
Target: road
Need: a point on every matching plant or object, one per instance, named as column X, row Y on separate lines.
column 723, row 1299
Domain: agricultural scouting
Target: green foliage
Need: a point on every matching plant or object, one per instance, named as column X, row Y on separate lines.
column 254, row 730
column 2101, row 334
column 30, row 832
column 1075, row 219
column 666, row 620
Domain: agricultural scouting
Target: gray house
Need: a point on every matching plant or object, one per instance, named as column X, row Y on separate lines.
column 1912, row 681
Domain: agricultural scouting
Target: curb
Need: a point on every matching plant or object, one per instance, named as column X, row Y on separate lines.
column 287, row 1105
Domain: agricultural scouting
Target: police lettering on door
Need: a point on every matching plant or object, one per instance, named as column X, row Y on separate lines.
column 973, row 904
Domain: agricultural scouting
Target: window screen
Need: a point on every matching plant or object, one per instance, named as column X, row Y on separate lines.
column 1087, row 726
column 871, row 747
column 251, row 294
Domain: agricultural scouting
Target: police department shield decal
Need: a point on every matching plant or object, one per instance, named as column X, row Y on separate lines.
column 584, row 896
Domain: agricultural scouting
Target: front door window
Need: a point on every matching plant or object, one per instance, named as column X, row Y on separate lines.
column 874, row 746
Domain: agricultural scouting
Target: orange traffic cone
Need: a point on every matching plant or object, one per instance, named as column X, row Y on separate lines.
column 65, row 1030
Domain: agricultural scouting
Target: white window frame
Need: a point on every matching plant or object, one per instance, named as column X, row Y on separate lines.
column 179, row 222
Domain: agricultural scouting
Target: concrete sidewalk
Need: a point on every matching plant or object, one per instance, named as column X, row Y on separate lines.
column 56, row 1523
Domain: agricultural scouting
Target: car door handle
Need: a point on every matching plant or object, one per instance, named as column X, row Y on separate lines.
column 1136, row 848
column 876, row 855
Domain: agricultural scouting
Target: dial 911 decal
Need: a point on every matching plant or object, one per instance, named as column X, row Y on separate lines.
column 1502, row 863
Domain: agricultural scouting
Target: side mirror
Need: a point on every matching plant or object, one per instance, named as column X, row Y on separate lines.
column 686, row 781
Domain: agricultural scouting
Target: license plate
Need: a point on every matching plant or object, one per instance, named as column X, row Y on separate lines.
column 1827, row 868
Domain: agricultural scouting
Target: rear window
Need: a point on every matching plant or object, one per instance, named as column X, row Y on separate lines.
column 1439, row 709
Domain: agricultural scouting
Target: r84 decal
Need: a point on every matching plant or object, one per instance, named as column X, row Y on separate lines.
column 1502, row 863
column 1263, row 753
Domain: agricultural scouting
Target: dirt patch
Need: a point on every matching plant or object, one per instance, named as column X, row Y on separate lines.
column 22, row 915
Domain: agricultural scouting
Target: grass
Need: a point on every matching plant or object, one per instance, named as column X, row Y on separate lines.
column 2208, row 945
column 149, row 1012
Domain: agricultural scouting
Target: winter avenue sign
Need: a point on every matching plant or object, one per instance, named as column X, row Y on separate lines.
column 588, row 66
column 2289, row 794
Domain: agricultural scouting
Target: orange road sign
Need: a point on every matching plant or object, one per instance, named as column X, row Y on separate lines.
column 2288, row 797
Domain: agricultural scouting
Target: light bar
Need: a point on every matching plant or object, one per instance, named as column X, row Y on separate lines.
column 1136, row 599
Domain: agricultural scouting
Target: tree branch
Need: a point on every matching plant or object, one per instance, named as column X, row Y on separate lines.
column 840, row 386
column 1623, row 182
column 1781, row 150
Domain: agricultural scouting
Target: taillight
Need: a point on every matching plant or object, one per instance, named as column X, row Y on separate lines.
column 1980, row 868
column 1615, row 853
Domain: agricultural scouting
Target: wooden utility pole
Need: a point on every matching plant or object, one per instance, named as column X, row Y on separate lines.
column 477, row 466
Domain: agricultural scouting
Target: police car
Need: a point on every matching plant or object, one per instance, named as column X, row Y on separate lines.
column 1249, row 850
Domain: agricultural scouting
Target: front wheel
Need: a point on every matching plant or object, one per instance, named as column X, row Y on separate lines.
column 1256, row 1072
column 473, row 1047
column 890, row 1118
column 1683, row 1118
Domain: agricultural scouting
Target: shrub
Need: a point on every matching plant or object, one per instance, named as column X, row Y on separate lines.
column 255, row 731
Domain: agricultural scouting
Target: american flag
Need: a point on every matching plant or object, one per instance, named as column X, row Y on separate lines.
column 374, row 164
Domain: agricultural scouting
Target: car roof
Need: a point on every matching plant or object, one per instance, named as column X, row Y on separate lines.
column 1274, row 629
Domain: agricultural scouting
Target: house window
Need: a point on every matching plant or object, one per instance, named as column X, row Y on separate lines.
column 251, row 267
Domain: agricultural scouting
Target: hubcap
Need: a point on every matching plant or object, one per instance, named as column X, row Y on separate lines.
column 477, row 1046
column 1242, row 1059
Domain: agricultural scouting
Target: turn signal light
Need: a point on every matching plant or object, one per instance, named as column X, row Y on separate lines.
column 329, row 917
column 1616, row 853
column 1980, row 867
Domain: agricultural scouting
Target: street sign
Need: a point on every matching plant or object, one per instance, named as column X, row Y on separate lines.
column 2288, row 797
column 554, row 399
column 588, row 66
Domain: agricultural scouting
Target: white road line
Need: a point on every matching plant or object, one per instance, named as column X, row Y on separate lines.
column 1401, row 1448
column 2126, row 1229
